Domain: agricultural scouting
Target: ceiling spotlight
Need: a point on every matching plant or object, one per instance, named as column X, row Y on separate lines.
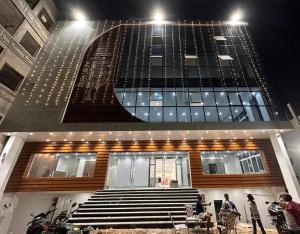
column 31, row 133
column 79, row 15
column 236, row 16
column 158, row 16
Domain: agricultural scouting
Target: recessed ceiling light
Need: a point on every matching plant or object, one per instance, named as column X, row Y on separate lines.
column 129, row 132
column 109, row 133
column 99, row 139
column 90, row 133
column 117, row 139
column 51, row 133
column 65, row 139
column 48, row 140
column 133, row 139
column 82, row 139
column 70, row 133
column 263, row 131
column 31, row 133
column 149, row 132
column 234, row 138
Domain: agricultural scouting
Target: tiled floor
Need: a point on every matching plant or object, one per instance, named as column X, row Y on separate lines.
column 242, row 228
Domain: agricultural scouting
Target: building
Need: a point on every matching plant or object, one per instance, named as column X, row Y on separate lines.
column 141, row 104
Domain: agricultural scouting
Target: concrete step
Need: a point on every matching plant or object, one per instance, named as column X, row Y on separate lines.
column 129, row 213
column 125, row 218
column 182, row 201
column 132, row 209
column 136, row 204
column 146, row 197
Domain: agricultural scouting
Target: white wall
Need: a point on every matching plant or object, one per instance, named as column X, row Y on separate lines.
column 36, row 203
column 239, row 197
column 292, row 144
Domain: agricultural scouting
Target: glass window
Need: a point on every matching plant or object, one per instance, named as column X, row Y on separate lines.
column 197, row 114
column 232, row 162
column 183, row 114
column 62, row 165
column 221, row 99
column 234, row 98
column 170, row 114
column 142, row 98
column 156, row 114
column 208, row 99
column 211, row 114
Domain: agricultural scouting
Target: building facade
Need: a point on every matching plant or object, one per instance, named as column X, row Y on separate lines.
column 25, row 27
column 136, row 104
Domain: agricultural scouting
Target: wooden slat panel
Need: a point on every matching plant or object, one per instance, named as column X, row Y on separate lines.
column 18, row 182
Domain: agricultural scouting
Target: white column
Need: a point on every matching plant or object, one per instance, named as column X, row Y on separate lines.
column 8, row 160
column 286, row 167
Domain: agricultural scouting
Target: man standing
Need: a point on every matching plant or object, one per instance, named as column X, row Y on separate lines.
column 231, row 204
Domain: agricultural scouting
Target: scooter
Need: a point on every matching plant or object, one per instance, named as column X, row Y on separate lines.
column 39, row 223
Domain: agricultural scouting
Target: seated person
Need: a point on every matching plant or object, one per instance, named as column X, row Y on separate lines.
column 200, row 205
column 200, row 211
column 225, row 213
column 291, row 211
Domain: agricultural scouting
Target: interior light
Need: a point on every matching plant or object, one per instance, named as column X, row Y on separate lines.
column 31, row 133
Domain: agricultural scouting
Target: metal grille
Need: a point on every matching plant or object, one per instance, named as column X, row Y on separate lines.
column 30, row 44
column 10, row 16
column 10, row 78
column 45, row 19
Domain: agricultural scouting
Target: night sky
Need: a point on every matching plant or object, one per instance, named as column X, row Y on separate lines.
column 274, row 26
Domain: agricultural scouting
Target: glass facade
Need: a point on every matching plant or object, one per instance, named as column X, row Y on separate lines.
column 192, row 73
column 62, row 165
column 232, row 162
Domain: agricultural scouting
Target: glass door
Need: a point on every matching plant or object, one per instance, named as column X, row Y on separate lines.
column 148, row 169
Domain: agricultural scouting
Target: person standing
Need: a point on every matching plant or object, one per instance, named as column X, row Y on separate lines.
column 255, row 217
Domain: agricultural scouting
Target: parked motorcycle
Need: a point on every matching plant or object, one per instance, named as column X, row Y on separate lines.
column 39, row 223
column 61, row 225
column 277, row 216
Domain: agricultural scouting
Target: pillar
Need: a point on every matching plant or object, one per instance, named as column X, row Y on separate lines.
column 8, row 160
column 286, row 167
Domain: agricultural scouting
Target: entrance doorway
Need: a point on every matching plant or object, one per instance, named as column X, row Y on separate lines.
column 148, row 169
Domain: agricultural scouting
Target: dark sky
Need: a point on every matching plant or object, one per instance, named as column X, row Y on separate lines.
column 274, row 26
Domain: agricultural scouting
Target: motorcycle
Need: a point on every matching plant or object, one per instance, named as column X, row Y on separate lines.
column 277, row 216
column 61, row 225
column 39, row 223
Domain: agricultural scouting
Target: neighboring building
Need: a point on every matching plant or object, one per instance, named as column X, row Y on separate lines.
column 25, row 26
column 135, row 104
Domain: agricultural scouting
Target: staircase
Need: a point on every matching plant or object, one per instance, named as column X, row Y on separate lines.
column 145, row 208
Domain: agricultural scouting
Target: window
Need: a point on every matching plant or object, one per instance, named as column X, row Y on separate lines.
column 196, row 99
column 62, row 165
column 191, row 60
column 10, row 16
column 232, row 162
column 30, row 44
column 32, row 3
column 225, row 57
column 156, row 60
column 219, row 38
column 45, row 19
column 10, row 78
